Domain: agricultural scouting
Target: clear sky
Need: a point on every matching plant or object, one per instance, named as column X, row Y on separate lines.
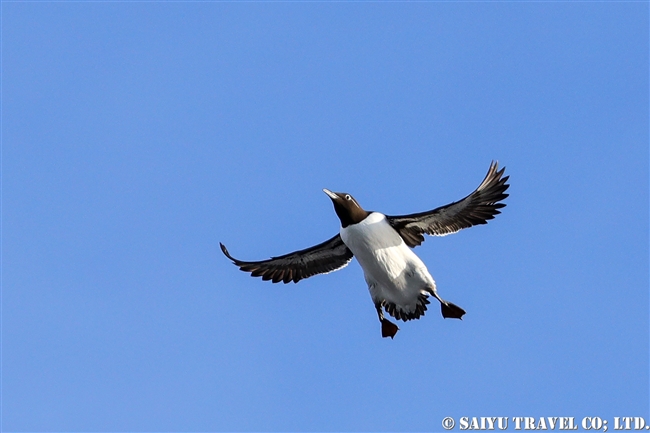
column 137, row 136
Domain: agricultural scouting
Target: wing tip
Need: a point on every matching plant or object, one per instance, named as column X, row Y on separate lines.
column 224, row 250
column 495, row 179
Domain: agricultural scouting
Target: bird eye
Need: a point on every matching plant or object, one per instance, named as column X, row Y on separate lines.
column 347, row 197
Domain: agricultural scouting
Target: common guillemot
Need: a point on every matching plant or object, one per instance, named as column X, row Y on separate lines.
column 397, row 279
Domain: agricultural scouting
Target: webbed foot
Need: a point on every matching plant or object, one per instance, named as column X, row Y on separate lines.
column 388, row 328
column 451, row 311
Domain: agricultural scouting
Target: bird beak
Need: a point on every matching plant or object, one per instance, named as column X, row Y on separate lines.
column 330, row 194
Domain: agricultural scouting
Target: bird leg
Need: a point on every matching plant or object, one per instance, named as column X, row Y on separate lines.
column 449, row 310
column 388, row 328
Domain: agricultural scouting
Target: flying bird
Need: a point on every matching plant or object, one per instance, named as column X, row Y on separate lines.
column 397, row 279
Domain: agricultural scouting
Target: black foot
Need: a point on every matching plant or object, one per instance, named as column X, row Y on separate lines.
column 451, row 311
column 388, row 328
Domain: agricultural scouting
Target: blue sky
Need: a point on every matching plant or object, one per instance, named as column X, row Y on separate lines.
column 137, row 136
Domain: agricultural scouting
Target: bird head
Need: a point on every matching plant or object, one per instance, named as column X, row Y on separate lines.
column 347, row 208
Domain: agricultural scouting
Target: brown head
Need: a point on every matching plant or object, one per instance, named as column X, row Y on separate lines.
column 346, row 207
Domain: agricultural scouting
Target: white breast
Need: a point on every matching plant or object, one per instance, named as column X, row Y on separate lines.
column 393, row 272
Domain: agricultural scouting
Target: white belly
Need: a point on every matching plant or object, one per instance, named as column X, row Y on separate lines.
column 392, row 270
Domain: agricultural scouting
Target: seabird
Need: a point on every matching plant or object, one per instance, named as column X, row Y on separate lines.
column 397, row 279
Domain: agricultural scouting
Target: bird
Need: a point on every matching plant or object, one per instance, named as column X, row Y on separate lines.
column 399, row 282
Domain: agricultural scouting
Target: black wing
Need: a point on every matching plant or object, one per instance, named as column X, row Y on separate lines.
column 477, row 208
column 320, row 259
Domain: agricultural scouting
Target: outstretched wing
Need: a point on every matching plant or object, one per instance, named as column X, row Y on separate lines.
column 329, row 256
column 477, row 208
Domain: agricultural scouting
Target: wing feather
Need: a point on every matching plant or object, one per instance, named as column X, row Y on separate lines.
column 328, row 256
column 477, row 208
